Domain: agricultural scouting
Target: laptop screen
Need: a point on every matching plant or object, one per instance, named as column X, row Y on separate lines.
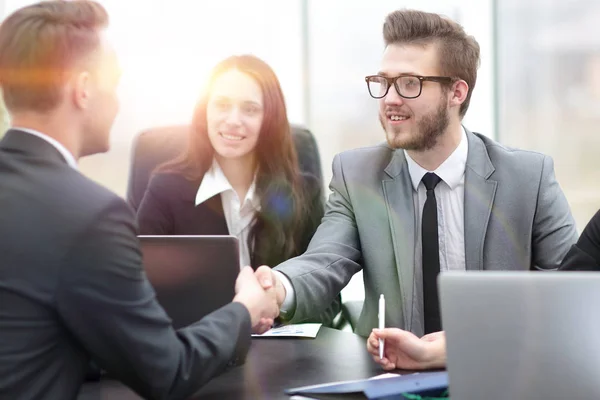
column 192, row 275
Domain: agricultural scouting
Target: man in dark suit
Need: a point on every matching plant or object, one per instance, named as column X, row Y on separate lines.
column 72, row 286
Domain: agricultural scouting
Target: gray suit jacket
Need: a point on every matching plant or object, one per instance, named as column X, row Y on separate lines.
column 516, row 218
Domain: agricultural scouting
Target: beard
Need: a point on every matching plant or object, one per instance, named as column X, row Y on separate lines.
column 425, row 134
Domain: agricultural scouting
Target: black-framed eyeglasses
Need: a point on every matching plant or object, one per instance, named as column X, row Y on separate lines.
column 407, row 86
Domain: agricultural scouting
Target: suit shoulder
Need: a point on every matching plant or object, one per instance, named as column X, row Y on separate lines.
column 73, row 199
column 513, row 154
column 365, row 163
column 86, row 193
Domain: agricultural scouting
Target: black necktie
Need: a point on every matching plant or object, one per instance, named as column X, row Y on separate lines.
column 431, row 255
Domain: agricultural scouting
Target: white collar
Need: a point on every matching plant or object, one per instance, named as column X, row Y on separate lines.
column 451, row 170
column 215, row 182
column 61, row 149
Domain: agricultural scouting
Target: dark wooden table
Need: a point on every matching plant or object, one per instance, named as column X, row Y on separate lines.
column 273, row 365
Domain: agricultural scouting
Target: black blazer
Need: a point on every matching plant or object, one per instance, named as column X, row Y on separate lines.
column 72, row 287
column 168, row 208
column 585, row 254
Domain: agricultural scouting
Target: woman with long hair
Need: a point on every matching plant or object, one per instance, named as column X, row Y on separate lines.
column 239, row 174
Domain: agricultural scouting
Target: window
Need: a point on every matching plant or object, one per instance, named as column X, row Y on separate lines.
column 549, row 90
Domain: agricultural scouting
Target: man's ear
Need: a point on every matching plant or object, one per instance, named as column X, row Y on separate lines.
column 459, row 92
column 82, row 89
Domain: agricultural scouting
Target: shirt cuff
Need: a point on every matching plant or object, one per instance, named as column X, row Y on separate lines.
column 289, row 302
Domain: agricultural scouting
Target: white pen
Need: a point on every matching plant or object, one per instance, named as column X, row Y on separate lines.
column 381, row 323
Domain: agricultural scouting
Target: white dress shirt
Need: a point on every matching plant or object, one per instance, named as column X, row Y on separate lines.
column 450, row 199
column 61, row 149
column 238, row 215
column 449, row 195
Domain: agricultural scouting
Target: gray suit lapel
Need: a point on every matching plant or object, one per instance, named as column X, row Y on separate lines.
column 479, row 198
column 400, row 207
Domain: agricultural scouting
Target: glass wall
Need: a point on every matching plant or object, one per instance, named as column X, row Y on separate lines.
column 548, row 55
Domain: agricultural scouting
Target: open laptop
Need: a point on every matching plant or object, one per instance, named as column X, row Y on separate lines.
column 192, row 275
column 522, row 335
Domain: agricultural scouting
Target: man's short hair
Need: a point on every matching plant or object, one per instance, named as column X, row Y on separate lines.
column 458, row 53
column 40, row 44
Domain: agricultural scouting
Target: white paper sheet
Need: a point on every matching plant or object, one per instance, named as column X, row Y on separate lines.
column 296, row 330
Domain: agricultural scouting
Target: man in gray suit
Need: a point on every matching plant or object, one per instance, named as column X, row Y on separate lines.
column 435, row 197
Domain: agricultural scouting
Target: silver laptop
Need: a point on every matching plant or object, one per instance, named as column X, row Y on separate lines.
column 192, row 275
column 522, row 335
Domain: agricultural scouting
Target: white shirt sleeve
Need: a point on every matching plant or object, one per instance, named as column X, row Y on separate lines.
column 289, row 302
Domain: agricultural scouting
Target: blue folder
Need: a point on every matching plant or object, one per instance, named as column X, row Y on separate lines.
column 429, row 383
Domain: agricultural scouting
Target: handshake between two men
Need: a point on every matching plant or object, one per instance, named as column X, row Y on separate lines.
column 262, row 293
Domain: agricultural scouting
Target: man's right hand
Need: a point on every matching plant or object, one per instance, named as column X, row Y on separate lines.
column 260, row 302
column 267, row 278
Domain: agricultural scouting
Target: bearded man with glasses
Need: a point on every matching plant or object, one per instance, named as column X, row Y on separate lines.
column 435, row 197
